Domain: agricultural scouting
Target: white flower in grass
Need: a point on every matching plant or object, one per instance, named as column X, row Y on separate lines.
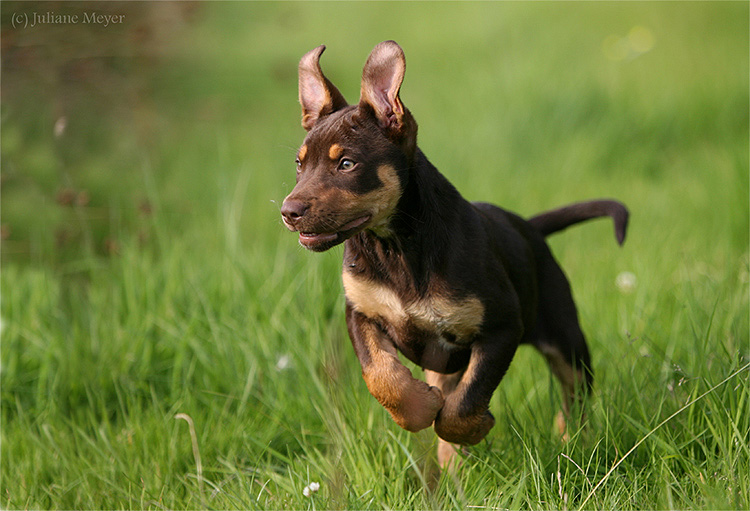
column 60, row 125
column 310, row 489
column 284, row 362
column 626, row 282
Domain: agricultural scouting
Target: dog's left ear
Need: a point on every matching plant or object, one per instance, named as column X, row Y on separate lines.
column 317, row 95
column 381, row 82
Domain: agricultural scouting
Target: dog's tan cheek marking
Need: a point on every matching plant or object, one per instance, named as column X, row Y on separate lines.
column 381, row 202
column 335, row 152
column 390, row 193
column 386, row 198
column 302, row 152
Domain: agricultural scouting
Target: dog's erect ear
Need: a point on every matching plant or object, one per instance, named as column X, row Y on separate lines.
column 318, row 96
column 381, row 82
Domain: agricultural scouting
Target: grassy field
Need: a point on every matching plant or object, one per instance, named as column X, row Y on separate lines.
column 167, row 344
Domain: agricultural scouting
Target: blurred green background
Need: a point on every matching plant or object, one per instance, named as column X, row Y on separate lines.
column 146, row 272
column 518, row 102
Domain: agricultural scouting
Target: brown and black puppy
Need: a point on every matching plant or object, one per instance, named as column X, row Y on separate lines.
column 454, row 286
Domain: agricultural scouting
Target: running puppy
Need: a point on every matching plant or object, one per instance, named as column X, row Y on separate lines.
column 454, row 286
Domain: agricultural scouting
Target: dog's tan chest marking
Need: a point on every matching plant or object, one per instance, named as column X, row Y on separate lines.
column 373, row 300
column 440, row 314
column 462, row 317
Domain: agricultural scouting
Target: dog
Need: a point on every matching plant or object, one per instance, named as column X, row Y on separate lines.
column 454, row 286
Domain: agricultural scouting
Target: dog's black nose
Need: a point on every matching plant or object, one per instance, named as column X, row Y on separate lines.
column 292, row 210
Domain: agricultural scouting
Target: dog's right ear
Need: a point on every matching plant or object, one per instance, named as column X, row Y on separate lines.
column 381, row 82
column 318, row 96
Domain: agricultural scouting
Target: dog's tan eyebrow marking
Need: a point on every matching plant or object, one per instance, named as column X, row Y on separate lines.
column 335, row 152
column 302, row 152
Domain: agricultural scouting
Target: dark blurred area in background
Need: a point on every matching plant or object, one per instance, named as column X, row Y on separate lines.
column 77, row 107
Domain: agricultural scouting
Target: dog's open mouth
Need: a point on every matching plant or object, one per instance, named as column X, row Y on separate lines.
column 324, row 240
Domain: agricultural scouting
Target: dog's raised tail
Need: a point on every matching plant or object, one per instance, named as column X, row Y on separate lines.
column 556, row 220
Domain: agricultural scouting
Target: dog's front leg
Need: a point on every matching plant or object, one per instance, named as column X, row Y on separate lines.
column 412, row 403
column 465, row 418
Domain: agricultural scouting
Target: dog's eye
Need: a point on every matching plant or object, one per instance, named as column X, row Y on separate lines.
column 299, row 165
column 345, row 165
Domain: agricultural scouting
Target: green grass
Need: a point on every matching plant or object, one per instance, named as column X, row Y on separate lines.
column 176, row 290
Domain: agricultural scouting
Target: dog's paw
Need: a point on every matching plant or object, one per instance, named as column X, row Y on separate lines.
column 419, row 406
column 467, row 430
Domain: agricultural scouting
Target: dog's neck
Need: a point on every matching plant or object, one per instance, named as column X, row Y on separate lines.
column 418, row 234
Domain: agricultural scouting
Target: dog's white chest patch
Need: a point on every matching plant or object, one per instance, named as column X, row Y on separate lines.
column 461, row 318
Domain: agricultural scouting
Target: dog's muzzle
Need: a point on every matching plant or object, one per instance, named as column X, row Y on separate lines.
column 295, row 214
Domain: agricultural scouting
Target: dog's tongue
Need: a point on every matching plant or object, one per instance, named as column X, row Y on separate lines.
column 308, row 239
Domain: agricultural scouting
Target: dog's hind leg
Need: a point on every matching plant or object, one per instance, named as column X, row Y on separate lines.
column 448, row 454
column 569, row 364
column 560, row 339
column 575, row 380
